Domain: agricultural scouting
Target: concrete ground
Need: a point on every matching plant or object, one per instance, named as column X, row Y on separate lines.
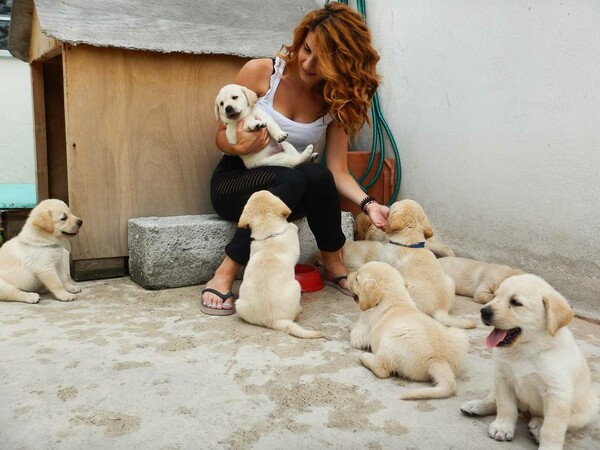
column 126, row 368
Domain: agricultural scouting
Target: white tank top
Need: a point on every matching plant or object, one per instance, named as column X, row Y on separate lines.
column 299, row 134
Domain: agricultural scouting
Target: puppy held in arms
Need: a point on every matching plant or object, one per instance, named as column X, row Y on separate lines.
column 35, row 260
column 403, row 339
column 538, row 367
column 235, row 103
column 270, row 293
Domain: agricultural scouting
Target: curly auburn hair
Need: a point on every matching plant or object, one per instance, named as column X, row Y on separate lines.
column 346, row 61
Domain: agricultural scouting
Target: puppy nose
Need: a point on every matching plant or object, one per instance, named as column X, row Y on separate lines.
column 228, row 109
column 486, row 313
column 79, row 222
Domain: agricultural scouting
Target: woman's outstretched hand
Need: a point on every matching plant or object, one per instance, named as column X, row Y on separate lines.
column 378, row 214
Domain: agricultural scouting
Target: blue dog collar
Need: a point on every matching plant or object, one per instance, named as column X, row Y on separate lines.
column 418, row 245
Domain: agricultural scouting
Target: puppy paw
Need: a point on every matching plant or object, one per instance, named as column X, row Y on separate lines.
column 482, row 297
column 480, row 407
column 259, row 125
column 72, row 288
column 281, row 137
column 470, row 408
column 254, row 125
column 501, row 430
column 66, row 297
column 31, row 297
column 314, row 157
column 535, row 425
column 357, row 338
column 444, row 250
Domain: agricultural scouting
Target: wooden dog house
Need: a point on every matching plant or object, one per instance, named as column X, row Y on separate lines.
column 123, row 96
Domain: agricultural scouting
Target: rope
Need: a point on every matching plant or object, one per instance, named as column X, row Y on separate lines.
column 379, row 126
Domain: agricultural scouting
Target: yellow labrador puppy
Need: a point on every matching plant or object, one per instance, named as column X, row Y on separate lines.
column 364, row 230
column 406, row 231
column 35, row 260
column 538, row 367
column 403, row 339
column 476, row 279
column 270, row 293
column 235, row 103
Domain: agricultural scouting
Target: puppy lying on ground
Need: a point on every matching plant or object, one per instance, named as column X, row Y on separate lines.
column 538, row 367
column 476, row 279
column 270, row 293
column 403, row 339
column 34, row 260
column 235, row 103
column 406, row 230
column 364, row 230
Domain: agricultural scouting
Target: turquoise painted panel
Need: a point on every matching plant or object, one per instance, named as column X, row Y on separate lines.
column 17, row 196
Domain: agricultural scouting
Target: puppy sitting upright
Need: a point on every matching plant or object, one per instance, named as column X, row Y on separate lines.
column 403, row 339
column 270, row 293
column 235, row 103
column 35, row 258
column 538, row 367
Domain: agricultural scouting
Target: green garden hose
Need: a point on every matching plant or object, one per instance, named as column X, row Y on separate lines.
column 379, row 126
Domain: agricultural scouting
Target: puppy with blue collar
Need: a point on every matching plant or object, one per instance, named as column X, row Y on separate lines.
column 406, row 232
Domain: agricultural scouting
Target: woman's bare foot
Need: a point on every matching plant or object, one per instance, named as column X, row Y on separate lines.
column 221, row 282
column 335, row 270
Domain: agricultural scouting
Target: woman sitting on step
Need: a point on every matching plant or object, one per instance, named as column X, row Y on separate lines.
column 318, row 90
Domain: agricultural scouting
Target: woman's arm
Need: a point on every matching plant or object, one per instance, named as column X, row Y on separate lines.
column 337, row 162
column 255, row 75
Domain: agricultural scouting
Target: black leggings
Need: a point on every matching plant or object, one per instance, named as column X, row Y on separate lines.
column 308, row 190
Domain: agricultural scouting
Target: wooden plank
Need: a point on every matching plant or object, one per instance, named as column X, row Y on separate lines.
column 55, row 130
column 39, row 120
column 12, row 221
column 41, row 47
column 95, row 269
column 140, row 132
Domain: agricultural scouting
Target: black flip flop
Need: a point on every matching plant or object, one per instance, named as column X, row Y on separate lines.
column 335, row 282
column 214, row 311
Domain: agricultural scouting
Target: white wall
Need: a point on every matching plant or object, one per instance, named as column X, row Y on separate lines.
column 495, row 106
column 17, row 164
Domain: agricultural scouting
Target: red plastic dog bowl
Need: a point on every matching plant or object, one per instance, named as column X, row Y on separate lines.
column 309, row 278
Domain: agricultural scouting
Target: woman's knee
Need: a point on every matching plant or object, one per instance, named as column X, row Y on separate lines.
column 290, row 186
column 317, row 176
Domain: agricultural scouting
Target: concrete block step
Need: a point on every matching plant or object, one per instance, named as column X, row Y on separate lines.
column 168, row 252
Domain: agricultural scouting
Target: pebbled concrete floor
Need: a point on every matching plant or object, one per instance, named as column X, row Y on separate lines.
column 127, row 368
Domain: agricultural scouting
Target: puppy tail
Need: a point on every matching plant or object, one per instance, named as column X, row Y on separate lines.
column 291, row 327
column 446, row 319
column 445, row 383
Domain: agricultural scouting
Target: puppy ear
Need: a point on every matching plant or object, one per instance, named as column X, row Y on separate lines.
column 427, row 231
column 244, row 221
column 284, row 210
column 278, row 205
column 43, row 221
column 370, row 294
column 558, row 312
column 250, row 95
column 362, row 223
column 393, row 224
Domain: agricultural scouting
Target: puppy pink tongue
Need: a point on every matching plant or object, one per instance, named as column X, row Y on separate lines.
column 495, row 337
